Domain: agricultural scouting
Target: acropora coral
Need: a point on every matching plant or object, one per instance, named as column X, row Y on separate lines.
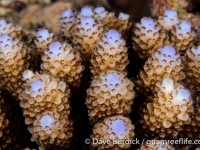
column 10, row 29
column 113, row 128
column 182, row 36
column 14, row 56
column 149, row 36
column 45, row 101
column 93, row 45
column 62, row 61
column 110, row 53
column 169, row 19
column 43, row 40
column 109, row 94
column 166, row 112
column 165, row 62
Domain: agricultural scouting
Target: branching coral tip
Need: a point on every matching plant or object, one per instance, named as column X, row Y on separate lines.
column 99, row 10
column 168, row 84
column 118, row 127
column 86, row 11
column 46, row 121
column 36, row 86
column 112, row 37
column 113, row 79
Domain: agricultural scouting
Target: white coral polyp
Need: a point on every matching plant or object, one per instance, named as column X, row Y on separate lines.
column 99, row 10
column 46, row 121
column 8, row 28
column 113, row 79
column 28, row 74
column 5, row 42
column 54, row 48
column 181, row 97
column 196, row 51
column 7, row 46
column 44, row 38
column 67, row 22
column 148, row 23
column 169, row 19
column 67, row 13
column 112, row 36
column 43, row 34
column 118, row 127
column 168, row 53
column 162, row 148
column 87, row 22
column 86, row 11
column 183, row 29
column 37, row 85
column 3, row 23
column 123, row 16
column 168, row 84
column 148, row 30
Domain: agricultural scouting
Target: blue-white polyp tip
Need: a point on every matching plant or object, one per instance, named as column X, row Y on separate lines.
column 54, row 48
column 185, row 27
column 112, row 36
column 183, row 94
column 168, row 50
column 44, row 33
column 197, row 51
column 3, row 23
column 99, row 10
column 86, row 11
column 36, row 85
column 168, row 83
column 67, row 13
column 123, row 16
column 46, row 121
column 118, row 127
column 162, row 148
column 87, row 22
column 170, row 13
column 6, row 39
column 148, row 23
column 113, row 79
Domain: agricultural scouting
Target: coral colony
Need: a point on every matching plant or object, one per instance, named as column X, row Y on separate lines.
column 169, row 79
